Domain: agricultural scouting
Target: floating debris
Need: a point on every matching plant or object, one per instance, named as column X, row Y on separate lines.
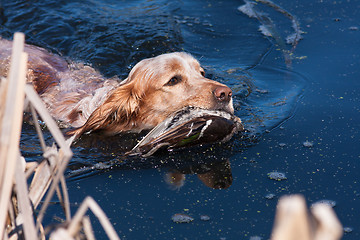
column 248, row 9
column 278, row 176
column 265, row 31
column 282, row 144
column 181, row 218
column 267, row 26
column 252, row 160
column 101, row 166
column 354, row 28
column 262, row 91
column 204, row 218
column 293, row 38
column 330, row 203
column 308, row 144
column 270, row 196
column 348, row 229
column 255, row 238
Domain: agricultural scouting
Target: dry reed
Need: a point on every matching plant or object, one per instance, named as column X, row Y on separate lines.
column 18, row 201
column 294, row 222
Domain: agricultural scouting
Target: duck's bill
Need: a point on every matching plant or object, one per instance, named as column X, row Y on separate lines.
column 189, row 126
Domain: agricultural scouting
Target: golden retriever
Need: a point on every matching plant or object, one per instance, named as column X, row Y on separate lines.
column 79, row 97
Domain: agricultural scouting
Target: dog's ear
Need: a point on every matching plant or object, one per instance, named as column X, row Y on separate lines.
column 120, row 110
column 118, row 113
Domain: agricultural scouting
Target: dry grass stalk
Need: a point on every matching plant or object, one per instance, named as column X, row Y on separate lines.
column 47, row 176
column 329, row 227
column 292, row 221
column 52, row 170
column 24, row 203
column 11, row 124
column 3, row 88
column 78, row 220
column 89, row 233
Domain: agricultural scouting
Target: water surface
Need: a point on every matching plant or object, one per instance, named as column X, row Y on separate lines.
column 313, row 97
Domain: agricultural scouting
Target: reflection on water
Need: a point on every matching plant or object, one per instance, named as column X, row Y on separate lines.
column 215, row 175
column 112, row 36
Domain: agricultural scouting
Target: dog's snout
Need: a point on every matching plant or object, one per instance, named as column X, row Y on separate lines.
column 222, row 93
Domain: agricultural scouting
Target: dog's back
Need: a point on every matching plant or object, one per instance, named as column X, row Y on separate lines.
column 43, row 66
column 71, row 92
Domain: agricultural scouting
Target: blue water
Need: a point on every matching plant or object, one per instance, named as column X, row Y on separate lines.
column 313, row 97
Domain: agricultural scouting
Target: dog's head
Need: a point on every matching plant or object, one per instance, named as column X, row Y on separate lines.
column 155, row 88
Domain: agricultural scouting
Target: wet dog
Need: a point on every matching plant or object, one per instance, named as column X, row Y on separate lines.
column 81, row 98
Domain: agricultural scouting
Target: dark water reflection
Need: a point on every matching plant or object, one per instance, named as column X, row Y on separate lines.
column 112, row 36
column 215, row 175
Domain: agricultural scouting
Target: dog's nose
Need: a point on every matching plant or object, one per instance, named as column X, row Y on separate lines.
column 222, row 93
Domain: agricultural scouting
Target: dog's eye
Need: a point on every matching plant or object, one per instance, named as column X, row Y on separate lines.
column 202, row 72
column 173, row 81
